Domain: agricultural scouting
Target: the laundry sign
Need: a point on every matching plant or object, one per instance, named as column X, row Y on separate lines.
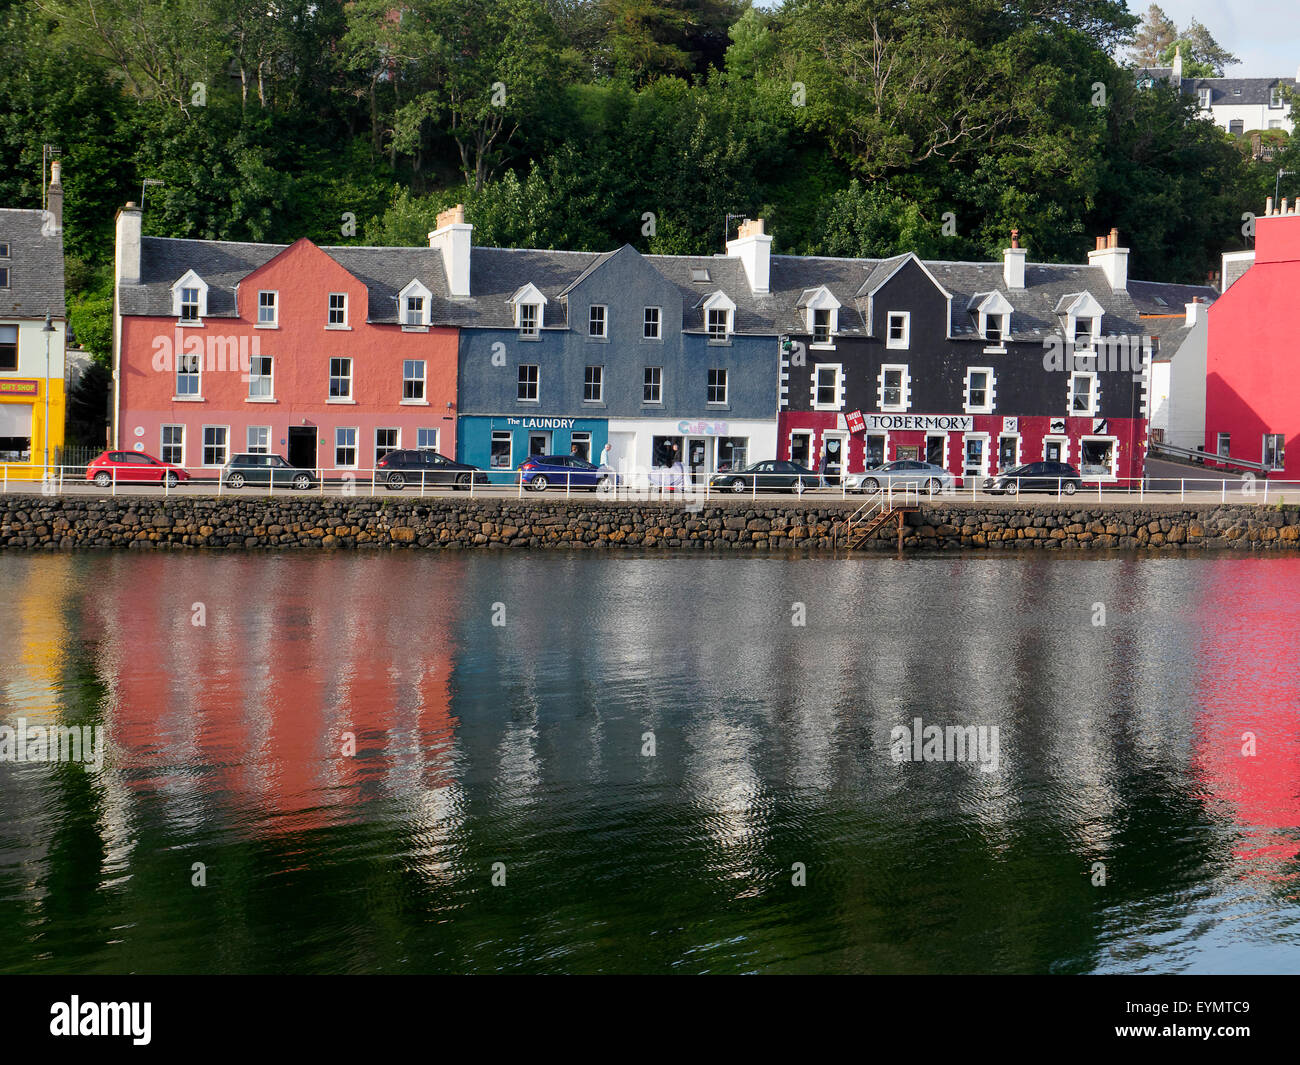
column 542, row 423
column 941, row 423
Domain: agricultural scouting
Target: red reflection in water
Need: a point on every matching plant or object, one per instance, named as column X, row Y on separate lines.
column 1248, row 683
column 251, row 709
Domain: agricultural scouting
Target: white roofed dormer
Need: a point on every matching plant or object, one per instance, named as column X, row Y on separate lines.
column 993, row 317
column 530, row 309
column 1080, row 314
column 719, row 316
column 190, row 298
column 415, row 306
column 822, row 316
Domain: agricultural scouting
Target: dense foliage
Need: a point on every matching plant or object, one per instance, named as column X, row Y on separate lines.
column 854, row 126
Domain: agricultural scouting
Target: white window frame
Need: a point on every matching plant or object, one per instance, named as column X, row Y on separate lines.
column 658, row 322
column 716, row 336
column 163, row 445
column 905, row 389
column 1113, row 474
column 603, row 321
column 419, row 433
column 197, row 374
column 387, row 429
column 905, row 341
column 355, row 446
column 253, row 379
column 225, row 446
column 1004, row 435
column 1275, row 97
column 1263, row 450
column 709, row 386
column 273, row 304
column 422, row 399
column 494, row 438
column 424, row 317
column 1056, row 438
column 331, row 376
column 838, row 369
column 599, row 383
column 257, row 449
column 719, row 302
column 822, row 302
column 1205, row 96
column 536, row 382
column 966, row 438
column 990, row 394
column 657, row 385
column 330, row 309
column 1094, row 394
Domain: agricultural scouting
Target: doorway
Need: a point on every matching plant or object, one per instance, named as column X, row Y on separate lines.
column 697, row 461
column 800, row 446
column 935, row 446
column 302, row 447
column 834, row 457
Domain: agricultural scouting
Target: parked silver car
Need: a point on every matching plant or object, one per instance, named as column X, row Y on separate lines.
column 903, row 473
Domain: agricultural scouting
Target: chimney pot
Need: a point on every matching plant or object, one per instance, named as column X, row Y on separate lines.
column 1268, row 206
column 1114, row 238
column 1283, row 205
column 751, row 227
column 753, row 247
column 1015, row 238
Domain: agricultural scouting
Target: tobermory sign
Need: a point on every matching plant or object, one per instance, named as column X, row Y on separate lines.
column 941, row 423
column 19, row 388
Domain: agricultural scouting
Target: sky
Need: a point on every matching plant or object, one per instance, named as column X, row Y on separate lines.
column 1264, row 34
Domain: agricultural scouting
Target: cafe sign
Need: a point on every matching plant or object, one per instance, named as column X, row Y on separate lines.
column 939, row 423
column 19, row 388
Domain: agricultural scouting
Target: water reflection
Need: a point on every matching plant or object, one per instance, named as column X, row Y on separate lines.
column 649, row 748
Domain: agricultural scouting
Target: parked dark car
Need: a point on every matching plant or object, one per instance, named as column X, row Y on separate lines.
column 397, row 469
column 540, row 471
column 1036, row 477
column 266, row 470
column 778, row 474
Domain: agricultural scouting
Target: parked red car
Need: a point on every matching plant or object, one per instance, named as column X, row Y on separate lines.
column 133, row 467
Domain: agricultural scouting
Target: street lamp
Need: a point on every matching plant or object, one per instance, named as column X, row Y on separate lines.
column 47, row 329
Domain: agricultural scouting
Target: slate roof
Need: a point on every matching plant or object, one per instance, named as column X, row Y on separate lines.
column 35, row 266
column 1238, row 92
column 496, row 274
column 1156, row 297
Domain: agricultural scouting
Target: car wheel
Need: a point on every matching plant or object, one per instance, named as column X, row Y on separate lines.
column 1011, row 488
column 799, row 487
column 462, row 481
column 395, row 483
column 235, row 480
column 934, row 486
column 302, row 482
column 103, row 479
column 538, row 483
column 737, row 485
column 605, row 485
column 172, row 480
column 1069, row 488
column 871, row 485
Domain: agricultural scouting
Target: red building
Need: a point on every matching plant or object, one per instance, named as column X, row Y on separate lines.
column 327, row 356
column 1252, row 389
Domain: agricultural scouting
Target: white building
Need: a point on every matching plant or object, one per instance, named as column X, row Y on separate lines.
column 1238, row 105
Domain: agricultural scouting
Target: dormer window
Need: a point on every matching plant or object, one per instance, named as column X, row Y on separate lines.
column 190, row 298
column 993, row 329
column 415, row 306
column 719, row 319
column 1083, row 333
column 1275, row 96
column 1205, row 99
column 1080, row 316
column 898, row 329
column 993, row 316
column 821, row 312
column 530, row 309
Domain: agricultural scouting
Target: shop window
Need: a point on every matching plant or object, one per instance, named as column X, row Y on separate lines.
column 9, row 348
column 501, row 448
column 733, row 452
column 1274, row 451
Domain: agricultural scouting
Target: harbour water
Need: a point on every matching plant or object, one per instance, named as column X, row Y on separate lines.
column 565, row 763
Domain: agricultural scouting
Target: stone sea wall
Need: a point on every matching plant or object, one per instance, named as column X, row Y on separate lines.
column 451, row 522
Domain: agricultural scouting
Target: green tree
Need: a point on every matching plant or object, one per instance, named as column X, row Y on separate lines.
column 1157, row 35
column 1203, row 56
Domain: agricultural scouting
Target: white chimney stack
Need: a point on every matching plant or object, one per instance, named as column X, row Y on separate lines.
column 754, row 249
column 1013, row 262
column 127, row 262
column 1194, row 312
column 452, row 239
column 1178, row 65
column 54, row 196
column 1112, row 259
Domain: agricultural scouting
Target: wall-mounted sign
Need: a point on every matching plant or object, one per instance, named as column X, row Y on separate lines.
column 1057, row 426
column 1011, row 425
column 19, row 388
column 702, row 428
column 139, row 447
column 857, row 423
column 912, row 452
column 139, row 430
column 1099, row 425
column 944, row 423
column 542, row 423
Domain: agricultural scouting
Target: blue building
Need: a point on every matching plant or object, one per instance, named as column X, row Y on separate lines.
column 663, row 358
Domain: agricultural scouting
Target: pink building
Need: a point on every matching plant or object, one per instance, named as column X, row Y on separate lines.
column 326, row 356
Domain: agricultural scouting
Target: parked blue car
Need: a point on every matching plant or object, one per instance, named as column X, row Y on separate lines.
column 542, row 471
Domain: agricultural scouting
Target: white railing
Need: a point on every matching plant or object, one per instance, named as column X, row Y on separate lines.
column 631, row 486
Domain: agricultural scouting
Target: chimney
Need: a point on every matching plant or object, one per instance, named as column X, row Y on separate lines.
column 1112, row 259
column 1194, row 312
column 54, row 197
column 127, row 264
column 1178, row 65
column 753, row 248
column 452, row 239
column 1013, row 262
